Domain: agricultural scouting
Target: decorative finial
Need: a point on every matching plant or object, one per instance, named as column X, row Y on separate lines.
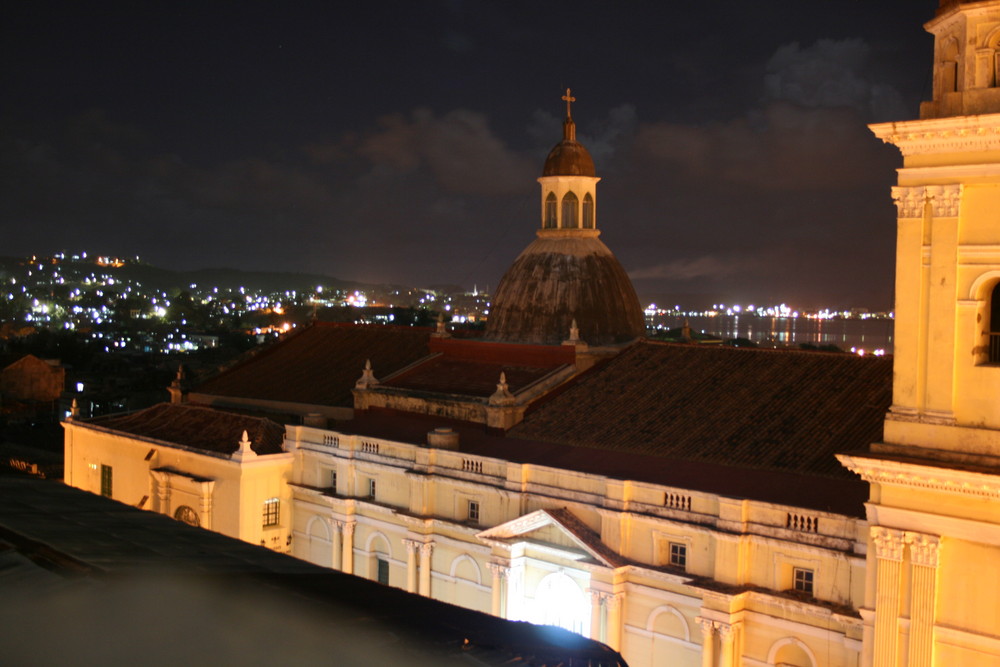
column 367, row 378
column 502, row 395
column 244, row 452
column 569, row 99
column 74, row 410
column 574, row 331
column 180, row 377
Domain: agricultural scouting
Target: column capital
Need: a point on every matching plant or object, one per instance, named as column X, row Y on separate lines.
column 888, row 543
column 498, row 569
column 426, row 548
column 924, row 549
column 347, row 527
column 411, row 546
column 726, row 630
column 708, row 626
column 613, row 600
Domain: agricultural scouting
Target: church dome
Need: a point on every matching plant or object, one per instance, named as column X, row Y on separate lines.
column 558, row 279
column 569, row 158
column 566, row 274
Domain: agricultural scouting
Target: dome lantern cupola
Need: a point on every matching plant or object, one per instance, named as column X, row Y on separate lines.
column 569, row 183
column 566, row 278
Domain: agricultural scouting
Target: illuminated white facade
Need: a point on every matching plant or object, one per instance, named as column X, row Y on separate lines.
column 665, row 575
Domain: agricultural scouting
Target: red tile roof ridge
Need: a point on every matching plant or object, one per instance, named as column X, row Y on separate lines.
column 258, row 353
column 409, row 368
column 197, row 427
column 525, row 354
column 840, row 495
column 587, row 536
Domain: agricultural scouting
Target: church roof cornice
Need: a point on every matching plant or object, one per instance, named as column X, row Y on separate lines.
column 942, row 135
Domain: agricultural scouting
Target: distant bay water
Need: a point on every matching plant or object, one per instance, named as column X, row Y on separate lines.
column 869, row 334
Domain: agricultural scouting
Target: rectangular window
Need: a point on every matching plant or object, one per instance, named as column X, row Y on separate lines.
column 802, row 580
column 106, row 481
column 678, row 555
column 371, row 489
column 271, row 512
column 383, row 571
column 333, row 480
column 474, row 511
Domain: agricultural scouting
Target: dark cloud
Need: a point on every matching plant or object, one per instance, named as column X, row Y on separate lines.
column 832, row 74
column 397, row 142
column 458, row 148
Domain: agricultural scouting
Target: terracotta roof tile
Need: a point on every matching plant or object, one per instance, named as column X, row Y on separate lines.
column 320, row 364
column 778, row 410
column 199, row 427
column 844, row 495
column 473, row 368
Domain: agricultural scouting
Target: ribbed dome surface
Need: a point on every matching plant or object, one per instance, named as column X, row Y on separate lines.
column 559, row 279
column 569, row 158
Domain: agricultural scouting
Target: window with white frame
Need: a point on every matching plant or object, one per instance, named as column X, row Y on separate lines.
column 802, row 580
column 678, row 555
column 272, row 514
column 473, row 512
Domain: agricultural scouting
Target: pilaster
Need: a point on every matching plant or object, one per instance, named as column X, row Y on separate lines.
column 924, row 550
column 889, row 545
column 500, row 571
column 347, row 557
column 707, row 641
column 426, row 548
column 614, row 603
column 412, row 547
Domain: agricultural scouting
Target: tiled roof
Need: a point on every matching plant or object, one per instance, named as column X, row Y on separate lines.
column 199, row 427
column 778, row 410
column 320, row 364
column 472, row 368
column 843, row 494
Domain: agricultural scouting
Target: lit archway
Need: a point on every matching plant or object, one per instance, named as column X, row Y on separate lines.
column 561, row 602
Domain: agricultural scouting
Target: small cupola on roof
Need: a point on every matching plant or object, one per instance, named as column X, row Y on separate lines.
column 566, row 273
column 569, row 157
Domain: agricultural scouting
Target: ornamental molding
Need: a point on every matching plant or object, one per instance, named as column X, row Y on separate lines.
column 944, row 200
column 924, row 549
column 956, row 134
column 922, row 476
column 500, row 570
column 889, row 543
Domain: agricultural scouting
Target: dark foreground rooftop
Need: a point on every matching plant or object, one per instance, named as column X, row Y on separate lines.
column 87, row 580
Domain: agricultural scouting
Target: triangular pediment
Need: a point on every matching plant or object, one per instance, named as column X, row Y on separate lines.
column 558, row 529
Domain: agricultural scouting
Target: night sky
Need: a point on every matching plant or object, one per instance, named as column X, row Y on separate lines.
column 400, row 141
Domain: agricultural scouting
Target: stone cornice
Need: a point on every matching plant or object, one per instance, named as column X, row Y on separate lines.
column 923, row 476
column 942, row 135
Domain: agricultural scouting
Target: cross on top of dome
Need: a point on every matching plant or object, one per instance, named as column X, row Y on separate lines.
column 569, row 99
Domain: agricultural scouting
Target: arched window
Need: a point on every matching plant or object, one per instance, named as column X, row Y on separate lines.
column 549, row 221
column 995, row 325
column 570, row 206
column 588, row 211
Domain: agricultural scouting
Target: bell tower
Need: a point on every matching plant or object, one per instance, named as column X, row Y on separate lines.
column 569, row 183
column 934, row 506
column 947, row 342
